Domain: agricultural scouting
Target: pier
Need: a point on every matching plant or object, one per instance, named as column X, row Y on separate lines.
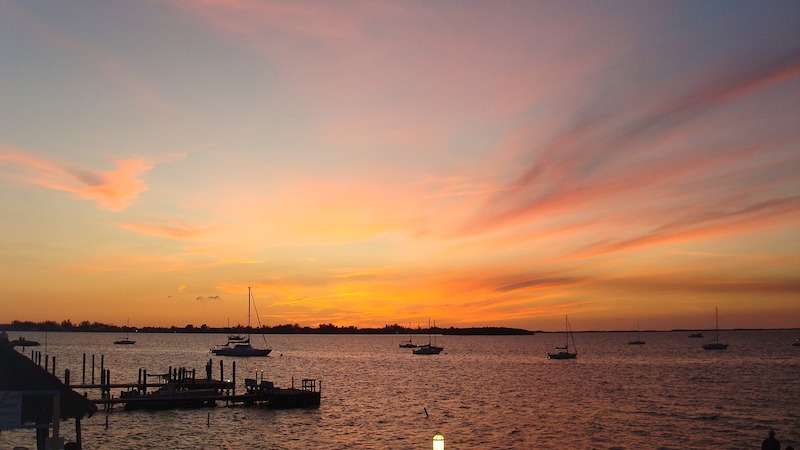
column 179, row 387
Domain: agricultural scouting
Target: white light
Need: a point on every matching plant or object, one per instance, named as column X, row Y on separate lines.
column 438, row 442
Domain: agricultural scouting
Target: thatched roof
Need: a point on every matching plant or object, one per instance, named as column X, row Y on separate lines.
column 18, row 373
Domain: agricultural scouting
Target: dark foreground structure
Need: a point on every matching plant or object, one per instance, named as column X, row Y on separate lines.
column 31, row 397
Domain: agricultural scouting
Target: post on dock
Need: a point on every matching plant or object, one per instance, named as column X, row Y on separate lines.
column 221, row 371
column 46, row 359
column 102, row 362
column 54, row 365
column 234, row 377
column 66, row 377
column 107, row 389
column 144, row 379
column 83, row 371
column 208, row 370
column 92, row 368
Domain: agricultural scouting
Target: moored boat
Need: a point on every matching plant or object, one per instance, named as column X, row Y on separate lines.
column 563, row 352
column 716, row 345
column 430, row 348
column 239, row 345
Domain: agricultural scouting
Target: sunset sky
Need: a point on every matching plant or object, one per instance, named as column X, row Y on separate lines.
column 479, row 163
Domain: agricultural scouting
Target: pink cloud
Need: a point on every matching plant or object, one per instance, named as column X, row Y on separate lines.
column 113, row 190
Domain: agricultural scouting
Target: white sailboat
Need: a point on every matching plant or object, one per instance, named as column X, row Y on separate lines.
column 241, row 347
column 563, row 352
column 716, row 345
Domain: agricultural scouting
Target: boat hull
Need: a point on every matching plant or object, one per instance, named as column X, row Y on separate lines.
column 241, row 351
column 715, row 346
column 428, row 350
column 562, row 355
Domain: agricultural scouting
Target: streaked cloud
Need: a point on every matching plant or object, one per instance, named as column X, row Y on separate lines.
column 113, row 190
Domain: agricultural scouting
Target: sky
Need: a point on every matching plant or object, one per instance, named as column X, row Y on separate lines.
column 368, row 163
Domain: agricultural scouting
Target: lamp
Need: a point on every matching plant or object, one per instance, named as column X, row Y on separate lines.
column 438, row 442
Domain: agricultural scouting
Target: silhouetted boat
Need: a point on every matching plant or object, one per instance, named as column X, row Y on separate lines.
column 169, row 396
column 638, row 340
column 430, row 348
column 408, row 344
column 241, row 346
column 563, row 352
column 696, row 335
column 126, row 340
column 22, row 342
column 796, row 343
column 716, row 345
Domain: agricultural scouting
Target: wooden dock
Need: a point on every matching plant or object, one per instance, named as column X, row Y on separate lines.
column 181, row 388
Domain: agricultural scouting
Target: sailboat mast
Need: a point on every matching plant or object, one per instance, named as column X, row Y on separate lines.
column 248, row 313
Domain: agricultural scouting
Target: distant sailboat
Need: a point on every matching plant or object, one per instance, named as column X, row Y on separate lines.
column 716, row 345
column 638, row 340
column 408, row 343
column 126, row 340
column 563, row 352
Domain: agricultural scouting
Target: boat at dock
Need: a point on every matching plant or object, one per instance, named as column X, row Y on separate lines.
column 309, row 395
column 169, row 396
column 563, row 352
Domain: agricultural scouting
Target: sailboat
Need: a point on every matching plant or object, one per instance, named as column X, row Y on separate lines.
column 241, row 347
column 430, row 348
column 638, row 340
column 716, row 345
column 126, row 340
column 563, row 352
column 408, row 343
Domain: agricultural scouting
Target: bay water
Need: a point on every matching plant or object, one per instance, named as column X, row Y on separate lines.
column 482, row 392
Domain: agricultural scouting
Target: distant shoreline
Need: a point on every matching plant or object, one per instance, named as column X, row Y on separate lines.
column 67, row 326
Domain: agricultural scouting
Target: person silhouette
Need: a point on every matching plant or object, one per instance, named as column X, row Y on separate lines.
column 771, row 443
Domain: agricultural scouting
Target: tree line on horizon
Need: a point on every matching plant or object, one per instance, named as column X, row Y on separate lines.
column 329, row 328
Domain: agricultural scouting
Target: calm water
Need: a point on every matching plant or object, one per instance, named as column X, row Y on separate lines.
column 482, row 393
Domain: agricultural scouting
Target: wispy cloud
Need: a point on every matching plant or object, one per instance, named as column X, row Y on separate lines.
column 639, row 157
column 175, row 230
column 113, row 190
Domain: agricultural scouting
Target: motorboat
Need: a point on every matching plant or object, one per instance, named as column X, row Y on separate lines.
column 169, row 396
